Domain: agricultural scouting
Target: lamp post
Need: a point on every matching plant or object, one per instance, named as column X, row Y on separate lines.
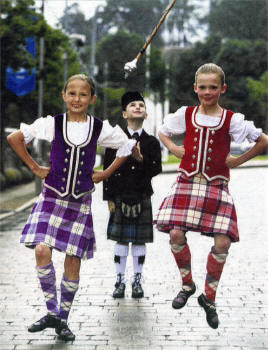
column 93, row 41
column 38, row 146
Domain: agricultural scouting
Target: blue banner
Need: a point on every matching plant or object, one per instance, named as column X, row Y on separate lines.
column 20, row 82
column 23, row 81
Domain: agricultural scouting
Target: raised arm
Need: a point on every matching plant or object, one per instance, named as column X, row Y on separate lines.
column 260, row 146
column 16, row 142
column 178, row 151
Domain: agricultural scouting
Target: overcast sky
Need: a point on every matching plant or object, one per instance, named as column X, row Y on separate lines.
column 54, row 8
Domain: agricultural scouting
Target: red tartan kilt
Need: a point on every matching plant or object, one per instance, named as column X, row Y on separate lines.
column 195, row 204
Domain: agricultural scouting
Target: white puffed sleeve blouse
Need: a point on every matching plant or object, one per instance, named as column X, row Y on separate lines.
column 77, row 132
column 240, row 129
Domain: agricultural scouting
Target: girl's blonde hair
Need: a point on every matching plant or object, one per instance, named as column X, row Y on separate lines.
column 81, row 77
column 211, row 68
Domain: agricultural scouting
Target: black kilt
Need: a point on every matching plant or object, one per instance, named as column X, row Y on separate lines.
column 137, row 230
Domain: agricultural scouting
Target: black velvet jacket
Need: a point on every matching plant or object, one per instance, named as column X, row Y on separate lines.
column 134, row 177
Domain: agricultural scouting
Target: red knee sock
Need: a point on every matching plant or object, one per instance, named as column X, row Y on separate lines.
column 215, row 264
column 182, row 257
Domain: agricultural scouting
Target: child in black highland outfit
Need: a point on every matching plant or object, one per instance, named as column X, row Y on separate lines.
column 128, row 192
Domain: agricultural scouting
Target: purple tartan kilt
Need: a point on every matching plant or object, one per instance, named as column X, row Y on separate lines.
column 195, row 204
column 61, row 223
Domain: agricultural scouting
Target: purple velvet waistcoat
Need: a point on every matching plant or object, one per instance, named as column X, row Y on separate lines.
column 70, row 165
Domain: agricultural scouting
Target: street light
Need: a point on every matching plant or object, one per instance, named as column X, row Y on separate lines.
column 92, row 69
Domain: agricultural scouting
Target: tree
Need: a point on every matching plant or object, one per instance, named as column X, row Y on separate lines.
column 183, row 63
column 19, row 21
column 240, row 19
column 111, row 58
column 183, row 19
column 133, row 16
column 16, row 24
column 111, row 66
column 240, row 60
column 258, row 91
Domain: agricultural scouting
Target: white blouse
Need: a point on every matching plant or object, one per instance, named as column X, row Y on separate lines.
column 240, row 129
column 77, row 132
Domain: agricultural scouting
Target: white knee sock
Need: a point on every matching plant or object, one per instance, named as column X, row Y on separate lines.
column 120, row 259
column 138, row 253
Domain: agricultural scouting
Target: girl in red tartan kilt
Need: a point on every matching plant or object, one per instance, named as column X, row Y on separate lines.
column 199, row 199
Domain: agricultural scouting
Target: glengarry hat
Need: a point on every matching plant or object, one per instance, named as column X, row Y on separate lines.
column 129, row 97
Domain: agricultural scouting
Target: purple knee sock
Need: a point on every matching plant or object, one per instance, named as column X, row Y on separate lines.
column 68, row 289
column 47, row 278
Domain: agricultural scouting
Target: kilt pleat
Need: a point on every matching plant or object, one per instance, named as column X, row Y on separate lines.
column 195, row 204
column 61, row 223
column 135, row 230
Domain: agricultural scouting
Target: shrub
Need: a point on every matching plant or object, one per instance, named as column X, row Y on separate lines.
column 2, row 182
column 13, row 176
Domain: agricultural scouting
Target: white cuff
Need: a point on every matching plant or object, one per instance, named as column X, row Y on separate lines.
column 138, row 250
column 125, row 150
column 120, row 249
column 26, row 130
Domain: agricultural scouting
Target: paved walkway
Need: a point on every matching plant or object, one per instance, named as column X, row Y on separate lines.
column 102, row 323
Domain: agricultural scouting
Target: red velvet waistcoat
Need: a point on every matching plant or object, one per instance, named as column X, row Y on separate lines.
column 206, row 148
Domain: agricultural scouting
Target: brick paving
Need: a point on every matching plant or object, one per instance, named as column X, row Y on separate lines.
column 100, row 322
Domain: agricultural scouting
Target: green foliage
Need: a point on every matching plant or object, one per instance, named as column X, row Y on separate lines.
column 18, row 21
column 2, row 182
column 17, row 24
column 184, row 18
column 183, row 66
column 133, row 16
column 172, row 159
column 240, row 19
column 158, row 73
column 239, row 59
column 111, row 73
column 13, row 176
column 258, row 94
column 114, row 105
column 258, row 90
column 21, row 21
column 110, row 50
column 242, row 60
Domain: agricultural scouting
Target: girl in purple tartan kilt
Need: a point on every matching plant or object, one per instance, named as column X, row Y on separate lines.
column 199, row 199
column 61, row 218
